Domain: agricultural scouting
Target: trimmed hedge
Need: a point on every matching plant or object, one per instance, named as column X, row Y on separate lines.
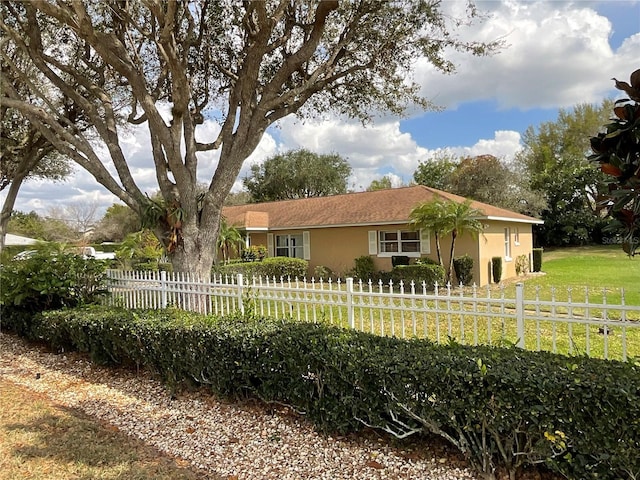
column 496, row 269
column 418, row 273
column 537, row 259
column 503, row 408
column 269, row 267
column 463, row 266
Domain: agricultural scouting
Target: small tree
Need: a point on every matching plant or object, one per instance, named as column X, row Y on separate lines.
column 229, row 239
column 461, row 219
column 443, row 217
column 431, row 216
column 617, row 150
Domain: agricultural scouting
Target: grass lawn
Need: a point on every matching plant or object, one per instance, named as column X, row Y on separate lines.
column 39, row 440
column 597, row 267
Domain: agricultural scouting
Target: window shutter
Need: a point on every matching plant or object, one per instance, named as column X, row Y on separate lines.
column 425, row 241
column 373, row 242
column 270, row 244
column 306, row 246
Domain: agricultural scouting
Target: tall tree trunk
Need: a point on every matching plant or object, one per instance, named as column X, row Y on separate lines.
column 454, row 234
column 9, row 202
column 438, row 251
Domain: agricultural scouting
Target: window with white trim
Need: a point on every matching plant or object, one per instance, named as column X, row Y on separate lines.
column 399, row 241
column 507, row 243
column 292, row 245
column 516, row 236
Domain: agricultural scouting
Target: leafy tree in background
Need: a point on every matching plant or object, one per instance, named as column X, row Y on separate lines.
column 25, row 153
column 298, row 174
column 248, row 64
column 117, row 222
column 484, row 178
column 617, row 150
column 50, row 229
column 554, row 158
column 435, row 172
column 382, row 184
column 487, row 179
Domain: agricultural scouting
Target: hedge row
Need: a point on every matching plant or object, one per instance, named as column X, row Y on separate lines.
column 269, row 267
column 503, row 408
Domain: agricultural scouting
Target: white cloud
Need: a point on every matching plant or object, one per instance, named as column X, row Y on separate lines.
column 557, row 55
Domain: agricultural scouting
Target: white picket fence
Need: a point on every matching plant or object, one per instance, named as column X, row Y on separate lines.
column 598, row 324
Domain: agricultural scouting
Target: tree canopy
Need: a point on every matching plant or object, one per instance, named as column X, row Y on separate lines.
column 436, row 172
column 24, row 151
column 298, row 174
column 554, row 159
column 484, row 178
column 247, row 64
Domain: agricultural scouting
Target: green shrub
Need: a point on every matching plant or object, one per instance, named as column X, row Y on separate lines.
column 277, row 267
column 152, row 266
column 364, row 268
column 429, row 274
column 505, row 409
column 255, row 253
column 537, row 259
column 322, row 272
column 496, row 269
column 426, row 261
column 49, row 279
column 284, row 267
column 463, row 266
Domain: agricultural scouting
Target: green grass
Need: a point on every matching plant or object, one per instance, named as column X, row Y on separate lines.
column 600, row 268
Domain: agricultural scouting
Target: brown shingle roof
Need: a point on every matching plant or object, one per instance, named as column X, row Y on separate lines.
column 362, row 208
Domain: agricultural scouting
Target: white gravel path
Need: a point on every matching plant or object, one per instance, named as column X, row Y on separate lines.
column 230, row 441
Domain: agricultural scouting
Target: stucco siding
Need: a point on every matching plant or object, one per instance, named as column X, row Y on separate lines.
column 337, row 248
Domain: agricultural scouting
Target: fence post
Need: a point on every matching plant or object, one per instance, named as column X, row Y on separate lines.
column 163, row 289
column 240, row 280
column 520, row 313
column 350, row 313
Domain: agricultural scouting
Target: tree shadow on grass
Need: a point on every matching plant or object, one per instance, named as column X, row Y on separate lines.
column 59, row 442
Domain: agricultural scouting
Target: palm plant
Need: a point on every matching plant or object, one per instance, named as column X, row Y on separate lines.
column 461, row 218
column 229, row 238
column 443, row 217
column 431, row 216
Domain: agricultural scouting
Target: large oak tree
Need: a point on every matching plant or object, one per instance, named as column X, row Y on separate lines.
column 247, row 63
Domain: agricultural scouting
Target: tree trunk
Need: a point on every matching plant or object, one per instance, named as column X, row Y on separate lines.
column 196, row 251
column 7, row 207
column 454, row 234
column 438, row 251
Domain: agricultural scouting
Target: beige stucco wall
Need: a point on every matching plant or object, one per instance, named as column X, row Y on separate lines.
column 338, row 247
column 494, row 246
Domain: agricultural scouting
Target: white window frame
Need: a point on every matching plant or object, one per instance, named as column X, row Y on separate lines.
column 304, row 248
column 378, row 238
column 507, row 244
column 516, row 236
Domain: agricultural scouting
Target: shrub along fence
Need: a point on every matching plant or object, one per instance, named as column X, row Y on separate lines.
column 595, row 325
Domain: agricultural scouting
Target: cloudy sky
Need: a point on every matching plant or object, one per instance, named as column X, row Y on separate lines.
column 557, row 54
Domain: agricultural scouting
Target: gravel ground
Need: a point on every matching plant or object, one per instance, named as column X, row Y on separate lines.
column 230, row 441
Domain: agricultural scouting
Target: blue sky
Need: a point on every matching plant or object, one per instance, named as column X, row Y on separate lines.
column 557, row 54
